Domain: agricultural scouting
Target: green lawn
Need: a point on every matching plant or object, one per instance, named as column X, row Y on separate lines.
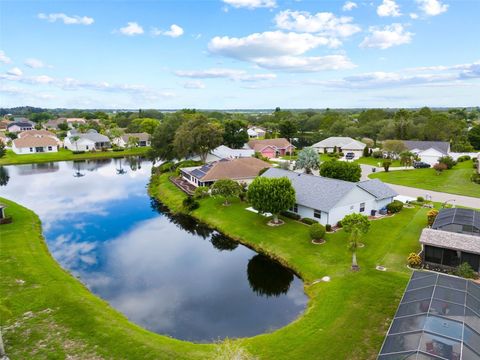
column 64, row 155
column 453, row 181
column 346, row 318
column 374, row 162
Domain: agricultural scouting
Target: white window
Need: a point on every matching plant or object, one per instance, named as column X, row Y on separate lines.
column 317, row 214
column 362, row 207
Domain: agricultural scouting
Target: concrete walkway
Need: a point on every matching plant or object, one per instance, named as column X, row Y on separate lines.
column 431, row 195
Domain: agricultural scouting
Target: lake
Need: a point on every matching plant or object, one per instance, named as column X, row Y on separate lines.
column 169, row 274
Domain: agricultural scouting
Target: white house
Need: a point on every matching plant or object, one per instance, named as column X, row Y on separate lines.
column 224, row 152
column 142, row 138
column 255, row 132
column 428, row 151
column 34, row 144
column 40, row 133
column 342, row 144
column 91, row 140
column 329, row 200
column 18, row 126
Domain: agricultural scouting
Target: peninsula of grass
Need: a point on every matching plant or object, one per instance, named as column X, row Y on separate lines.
column 11, row 158
column 453, row 181
column 46, row 313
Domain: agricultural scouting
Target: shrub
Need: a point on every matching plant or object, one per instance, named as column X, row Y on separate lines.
column 378, row 154
column 439, row 167
column 290, row 215
column 431, row 215
column 395, row 206
column 118, row 149
column 309, row 221
column 339, row 224
column 78, row 152
column 201, row 192
column 386, row 164
column 420, row 199
column 347, row 171
column 317, row 231
column 366, row 151
column 226, row 188
column 190, row 203
column 328, row 227
column 447, row 160
column 475, row 178
column 166, row 167
column 414, row 260
column 463, row 158
column 465, row 270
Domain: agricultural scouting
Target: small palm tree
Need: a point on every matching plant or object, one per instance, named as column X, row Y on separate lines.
column 308, row 159
column 75, row 139
column 356, row 225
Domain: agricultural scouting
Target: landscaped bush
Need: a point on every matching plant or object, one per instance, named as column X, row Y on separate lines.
column 431, row 215
column 328, row 227
column 420, row 199
column 201, row 192
column 290, row 215
column 465, row 270
column 447, row 160
column 309, row 221
column 339, row 224
column 377, row 154
column 190, row 203
column 439, row 167
column 463, row 158
column 414, row 260
column 78, row 152
column 395, row 206
column 117, row 149
column 317, row 231
column 166, row 167
column 475, row 178
column 386, row 164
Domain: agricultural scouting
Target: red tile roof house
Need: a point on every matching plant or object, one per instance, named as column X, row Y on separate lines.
column 271, row 148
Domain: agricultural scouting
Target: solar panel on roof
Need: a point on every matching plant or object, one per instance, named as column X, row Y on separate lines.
column 439, row 324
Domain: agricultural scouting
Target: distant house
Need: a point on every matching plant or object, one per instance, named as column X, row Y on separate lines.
column 329, row 200
column 4, row 123
column 34, row 144
column 3, row 139
column 453, row 239
column 142, row 138
column 341, row 144
column 241, row 170
column 18, row 126
column 255, row 132
column 39, row 133
column 224, row 152
column 91, row 140
column 428, row 151
column 271, row 148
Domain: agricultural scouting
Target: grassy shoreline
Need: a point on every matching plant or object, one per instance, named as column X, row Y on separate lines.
column 66, row 155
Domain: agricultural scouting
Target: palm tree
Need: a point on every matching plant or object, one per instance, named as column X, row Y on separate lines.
column 356, row 225
column 75, row 139
column 308, row 159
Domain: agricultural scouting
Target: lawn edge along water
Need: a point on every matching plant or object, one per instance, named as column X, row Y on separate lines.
column 66, row 155
column 46, row 313
column 343, row 320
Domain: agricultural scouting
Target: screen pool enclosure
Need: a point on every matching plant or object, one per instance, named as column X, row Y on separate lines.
column 438, row 318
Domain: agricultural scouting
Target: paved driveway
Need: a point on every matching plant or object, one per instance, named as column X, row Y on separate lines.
column 433, row 195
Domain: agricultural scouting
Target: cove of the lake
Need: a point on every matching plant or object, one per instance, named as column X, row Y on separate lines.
column 169, row 274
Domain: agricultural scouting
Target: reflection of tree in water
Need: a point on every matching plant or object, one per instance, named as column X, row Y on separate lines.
column 184, row 222
column 222, row 242
column 268, row 277
column 4, row 177
column 135, row 162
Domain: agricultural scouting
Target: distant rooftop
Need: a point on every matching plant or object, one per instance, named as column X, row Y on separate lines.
column 442, row 146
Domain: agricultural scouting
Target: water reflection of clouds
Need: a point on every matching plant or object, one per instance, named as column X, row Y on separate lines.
column 71, row 252
column 55, row 197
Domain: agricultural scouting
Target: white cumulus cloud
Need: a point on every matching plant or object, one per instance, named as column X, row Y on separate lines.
column 307, row 63
column 66, row 19
column 349, row 5
column 324, row 23
column 413, row 16
column 35, row 63
column 251, row 4
column 195, row 84
column 175, row 31
column 225, row 73
column 4, row 58
column 15, row 72
column 388, row 8
column 432, row 7
column 131, row 29
column 386, row 37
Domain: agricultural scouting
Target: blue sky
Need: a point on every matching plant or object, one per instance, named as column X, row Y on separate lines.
column 224, row 54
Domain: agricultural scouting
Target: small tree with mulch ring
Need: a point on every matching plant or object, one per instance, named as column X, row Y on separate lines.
column 317, row 232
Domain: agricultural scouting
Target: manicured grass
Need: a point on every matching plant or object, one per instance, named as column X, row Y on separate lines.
column 346, row 318
column 63, row 155
column 453, row 181
column 374, row 162
column 46, row 313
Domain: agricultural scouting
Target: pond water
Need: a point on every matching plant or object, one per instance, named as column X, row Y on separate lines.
column 167, row 273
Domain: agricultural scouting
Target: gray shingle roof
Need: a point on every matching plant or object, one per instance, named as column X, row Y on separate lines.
column 324, row 193
column 346, row 143
column 377, row 188
column 442, row 146
column 451, row 240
